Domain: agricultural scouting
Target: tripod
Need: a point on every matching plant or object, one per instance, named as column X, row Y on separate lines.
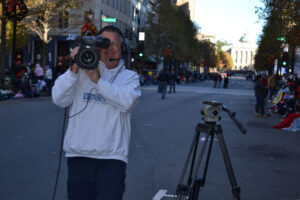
column 191, row 189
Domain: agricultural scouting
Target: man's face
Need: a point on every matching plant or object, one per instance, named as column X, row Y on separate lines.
column 113, row 52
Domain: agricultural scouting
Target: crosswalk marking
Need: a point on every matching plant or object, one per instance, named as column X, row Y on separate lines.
column 163, row 193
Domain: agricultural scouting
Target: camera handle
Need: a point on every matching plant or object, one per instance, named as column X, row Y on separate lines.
column 191, row 189
column 232, row 116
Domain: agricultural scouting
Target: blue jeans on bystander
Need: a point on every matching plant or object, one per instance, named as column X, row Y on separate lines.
column 95, row 179
column 260, row 105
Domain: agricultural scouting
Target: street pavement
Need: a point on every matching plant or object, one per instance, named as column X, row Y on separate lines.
column 265, row 160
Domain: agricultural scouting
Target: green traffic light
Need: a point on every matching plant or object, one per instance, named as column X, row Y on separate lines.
column 141, row 54
column 284, row 63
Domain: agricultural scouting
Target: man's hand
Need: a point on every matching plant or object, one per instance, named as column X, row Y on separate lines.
column 74, row 67
column 93, row 74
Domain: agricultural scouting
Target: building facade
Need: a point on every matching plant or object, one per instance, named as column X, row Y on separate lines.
column 128, row 15
column 242, row 53
column 188, row 6
column 203, row 36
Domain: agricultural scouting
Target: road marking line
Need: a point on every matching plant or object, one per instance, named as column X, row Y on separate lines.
column 160, row 194
column 171, row 195
column 202, row 139
column 163, row 193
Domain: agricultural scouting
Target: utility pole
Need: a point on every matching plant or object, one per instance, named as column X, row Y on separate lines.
column 137, row 13
column 3, row 41
column 15, row 16
column 296, row 38
column 13, row 54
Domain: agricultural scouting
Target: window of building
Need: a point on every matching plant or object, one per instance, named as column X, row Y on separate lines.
column 117, row 4
column 63, row 19
column 107, row 2
column 62, row 51
column 124, row 27
column 236, row 56
column 125, row 6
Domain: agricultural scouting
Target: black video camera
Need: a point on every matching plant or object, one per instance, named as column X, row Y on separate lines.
column 88, row 55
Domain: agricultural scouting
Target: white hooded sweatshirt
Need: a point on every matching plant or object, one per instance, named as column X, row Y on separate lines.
column 102, row 129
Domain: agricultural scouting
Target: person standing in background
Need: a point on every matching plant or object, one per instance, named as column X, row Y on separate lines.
column 48, row 79
column 272, row 84
column 172, row 82
column 164, row 79
column 260, row 91
column 39, row 72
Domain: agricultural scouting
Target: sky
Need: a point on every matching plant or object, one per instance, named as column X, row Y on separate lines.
column 228, row 19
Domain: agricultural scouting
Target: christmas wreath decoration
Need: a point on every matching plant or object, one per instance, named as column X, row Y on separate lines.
column 21, row 10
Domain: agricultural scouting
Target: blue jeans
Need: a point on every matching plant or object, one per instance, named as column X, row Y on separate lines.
column 164, row 85
column 260, row 105
column 172, row 86
column 271, row 93
column 95, row 179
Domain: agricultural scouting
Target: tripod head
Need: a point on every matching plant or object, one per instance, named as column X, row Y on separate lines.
column 211, row 114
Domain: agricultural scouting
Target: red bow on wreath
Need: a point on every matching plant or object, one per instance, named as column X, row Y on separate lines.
column 21, row 10
column 89, row 26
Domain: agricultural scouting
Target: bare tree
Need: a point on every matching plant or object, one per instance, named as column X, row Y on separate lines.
column 47, row 18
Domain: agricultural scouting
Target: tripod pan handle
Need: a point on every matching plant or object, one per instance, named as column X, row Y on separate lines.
column 239, row 125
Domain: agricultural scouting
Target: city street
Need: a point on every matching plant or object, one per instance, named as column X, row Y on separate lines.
column 265, row 160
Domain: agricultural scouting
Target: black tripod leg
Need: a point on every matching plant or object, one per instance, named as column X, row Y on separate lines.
column 208, row 156
column 193, row 157
column 235, row 189
column 199, row 182
column 181, row 188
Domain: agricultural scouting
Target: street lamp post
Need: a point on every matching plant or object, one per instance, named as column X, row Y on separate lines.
column 137, row 13
column 3, row 41
column 295, row 35
column 15, row 11
column 14, row 37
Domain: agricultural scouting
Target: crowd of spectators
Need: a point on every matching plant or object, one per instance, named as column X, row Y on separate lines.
column 282, row 92
column 281, row 95
column 151, row 77
column 29, row 81
column 35, row 80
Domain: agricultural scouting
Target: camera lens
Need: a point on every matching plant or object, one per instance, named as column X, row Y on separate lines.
column 88, row 57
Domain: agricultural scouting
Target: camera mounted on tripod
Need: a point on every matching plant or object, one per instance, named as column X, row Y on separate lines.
column 211, row 111
column 191, row 180
column 88, row 55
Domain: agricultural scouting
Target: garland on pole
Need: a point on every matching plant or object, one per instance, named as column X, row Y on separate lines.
column 18, row 14
column 89, row 28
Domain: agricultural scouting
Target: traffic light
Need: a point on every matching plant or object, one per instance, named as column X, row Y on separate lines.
column 285, row 59
column 281, row 38
column 127, row 33
column 19, row 59
column 140, row 49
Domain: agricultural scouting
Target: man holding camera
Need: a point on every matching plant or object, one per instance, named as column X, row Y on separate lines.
column 98, row 134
